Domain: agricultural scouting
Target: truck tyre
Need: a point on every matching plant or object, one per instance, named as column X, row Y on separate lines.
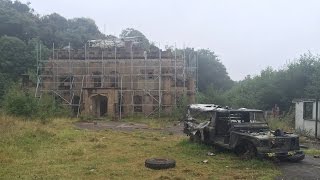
column 246, row 150
column 296, row 158
column 160, row 163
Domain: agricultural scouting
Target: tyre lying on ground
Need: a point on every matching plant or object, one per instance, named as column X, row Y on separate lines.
column 160, row 163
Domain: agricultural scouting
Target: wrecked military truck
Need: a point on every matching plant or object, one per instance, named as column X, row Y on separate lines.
column 243, row 131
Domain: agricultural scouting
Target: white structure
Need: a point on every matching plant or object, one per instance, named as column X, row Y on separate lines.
column 306, row 116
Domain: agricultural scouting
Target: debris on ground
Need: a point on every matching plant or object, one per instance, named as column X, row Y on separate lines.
column 211, row 154
column 205, row 161
column 304, row 146
column 316, row 156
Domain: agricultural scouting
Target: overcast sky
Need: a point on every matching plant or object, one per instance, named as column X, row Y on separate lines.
column 247, row 35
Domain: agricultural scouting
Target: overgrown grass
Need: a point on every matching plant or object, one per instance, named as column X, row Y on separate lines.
column 312, row 151
column 284, row 124
column 32, row 150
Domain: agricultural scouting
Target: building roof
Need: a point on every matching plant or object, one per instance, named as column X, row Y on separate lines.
column 297, row 100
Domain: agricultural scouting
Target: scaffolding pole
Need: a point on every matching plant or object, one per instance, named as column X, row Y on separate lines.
column 131, row 79
column 160, row 98
column 80, row 97
column 38, row 75
column 184, row 68
column 53, row 51
column 175, row 74
column 197, row 71
column 115, row 72
column 120, row 96
column 81, row 70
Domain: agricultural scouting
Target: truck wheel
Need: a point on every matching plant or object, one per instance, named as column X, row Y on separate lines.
column 159, row 163
column 195, row 138
column 246, row 150
column 296, row 158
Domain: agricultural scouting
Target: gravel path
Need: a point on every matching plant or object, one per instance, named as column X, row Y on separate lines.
column 308, row 169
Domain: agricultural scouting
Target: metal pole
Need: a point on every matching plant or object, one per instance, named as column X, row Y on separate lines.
column 37, row 50
column 132, row 93
column 317, row 114
column 159, row 80
column 87, row 63
column 69, row 50
column 145, row 69
column 39, row 69
column 85, row 51
column 120, row 96
column 38, row 77
column 115, row 72
column 102, row 70
column 70, row 75
column 102, row 55
column 184, row 67
column 40, row 52
column 53, row 51
column 197, row 71
column 131, row 56
column 175, row 74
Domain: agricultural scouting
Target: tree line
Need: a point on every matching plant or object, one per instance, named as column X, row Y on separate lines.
column 21, row 29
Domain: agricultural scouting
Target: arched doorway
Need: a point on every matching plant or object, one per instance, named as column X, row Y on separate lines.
column 100, row 103
column 103, row 100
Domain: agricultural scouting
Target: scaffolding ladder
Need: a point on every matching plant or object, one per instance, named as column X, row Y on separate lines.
column 80, row 96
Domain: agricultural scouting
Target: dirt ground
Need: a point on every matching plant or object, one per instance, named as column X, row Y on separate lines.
column 127, row 126
column 308, row 169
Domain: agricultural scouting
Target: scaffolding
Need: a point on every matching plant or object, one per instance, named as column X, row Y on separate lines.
column 141, row 82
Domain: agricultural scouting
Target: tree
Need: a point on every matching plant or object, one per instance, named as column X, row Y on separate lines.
column 17, row 19
column 212, row 73
column 14, row 58
column 80, row 30
column 299, row 79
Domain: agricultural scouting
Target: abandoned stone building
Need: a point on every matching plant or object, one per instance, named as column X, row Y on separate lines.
column 118, row 80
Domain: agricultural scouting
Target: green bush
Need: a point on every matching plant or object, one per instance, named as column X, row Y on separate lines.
column 180, row 109
column 20, row 104
column 48, row 107
column 24, row 104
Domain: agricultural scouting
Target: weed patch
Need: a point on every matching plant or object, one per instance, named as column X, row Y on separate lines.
column 312, row 151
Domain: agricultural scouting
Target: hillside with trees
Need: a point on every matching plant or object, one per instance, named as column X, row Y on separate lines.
column 21, row 29
column 299, row 79
column 21, row 21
